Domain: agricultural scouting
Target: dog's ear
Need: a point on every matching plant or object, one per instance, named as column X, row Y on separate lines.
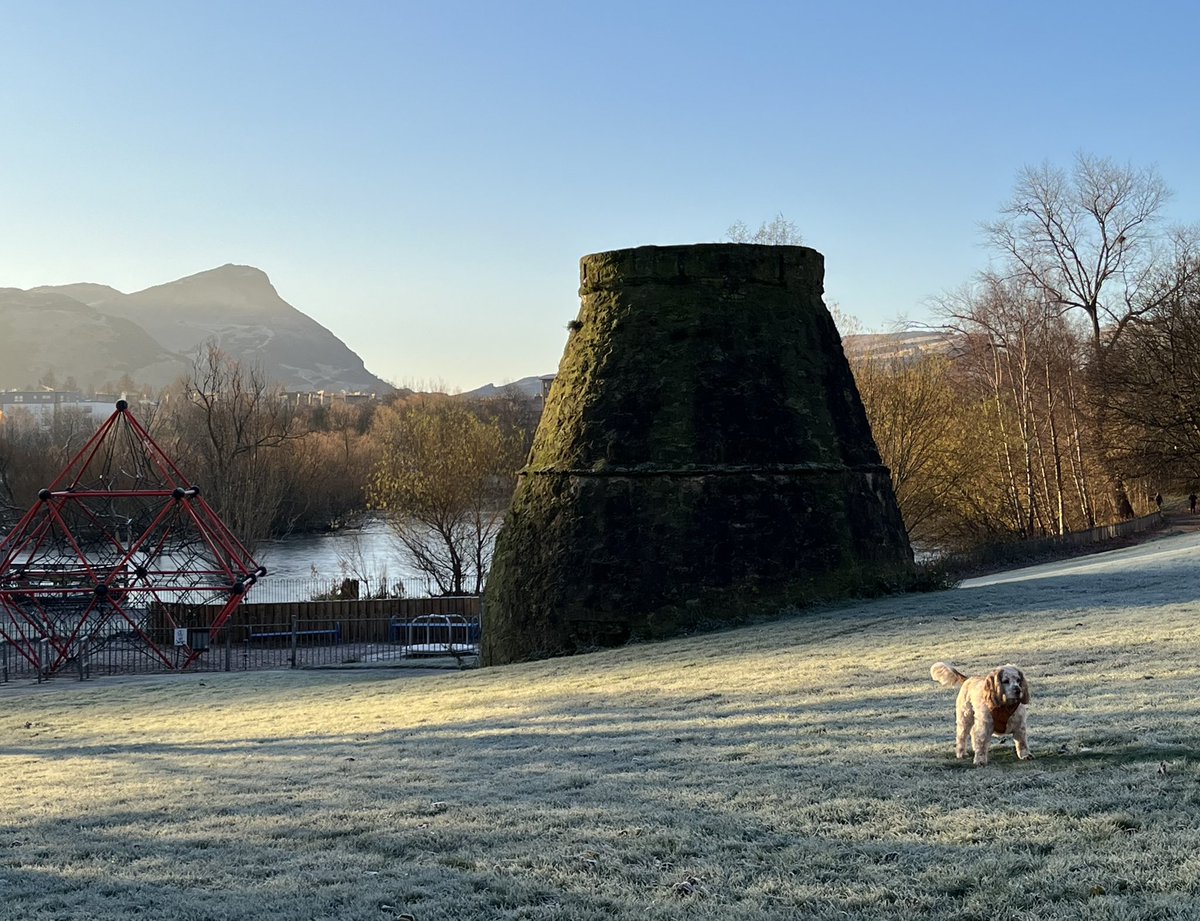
column 1024, row 688
column 993, row 693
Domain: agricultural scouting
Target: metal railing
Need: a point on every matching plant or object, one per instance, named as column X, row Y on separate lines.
column 443, row 640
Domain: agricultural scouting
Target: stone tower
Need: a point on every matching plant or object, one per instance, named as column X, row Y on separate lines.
column 703, row 456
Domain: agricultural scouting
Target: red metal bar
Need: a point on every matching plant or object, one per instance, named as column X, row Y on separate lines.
column 90, row 448
column 186, row 551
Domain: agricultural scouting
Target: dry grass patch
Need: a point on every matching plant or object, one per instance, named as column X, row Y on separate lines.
column 801, row 769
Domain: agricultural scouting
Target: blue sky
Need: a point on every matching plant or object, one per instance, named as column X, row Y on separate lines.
column 422, row 178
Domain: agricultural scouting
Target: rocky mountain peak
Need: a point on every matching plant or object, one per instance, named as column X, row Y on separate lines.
column 225, row 290
column 230, row 275
column 234, row 305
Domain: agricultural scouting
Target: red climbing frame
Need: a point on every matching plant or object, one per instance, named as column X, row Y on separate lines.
column 121, row 547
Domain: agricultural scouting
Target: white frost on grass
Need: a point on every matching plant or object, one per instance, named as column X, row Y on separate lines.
column 796, row 769
column 1166, row 563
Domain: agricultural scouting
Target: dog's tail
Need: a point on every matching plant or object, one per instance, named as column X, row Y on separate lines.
column 946, row 674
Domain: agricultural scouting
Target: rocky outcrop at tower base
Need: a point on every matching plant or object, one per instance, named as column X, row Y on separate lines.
column 703, row 456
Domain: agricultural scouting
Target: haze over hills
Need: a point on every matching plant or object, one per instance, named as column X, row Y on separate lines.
column 43, row 331
column 96, row 333
column 905, row 344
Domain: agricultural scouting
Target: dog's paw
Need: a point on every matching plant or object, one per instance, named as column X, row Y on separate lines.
column 1025, row 755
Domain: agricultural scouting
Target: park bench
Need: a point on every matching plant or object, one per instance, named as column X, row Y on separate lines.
column 334, row 634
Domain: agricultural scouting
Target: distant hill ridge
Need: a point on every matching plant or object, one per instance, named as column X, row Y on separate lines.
column 95, row 333
column 526, row 388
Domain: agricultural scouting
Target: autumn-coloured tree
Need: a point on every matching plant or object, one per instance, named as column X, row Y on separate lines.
column 915, row 411
column 444, row 477
column 1023, row 360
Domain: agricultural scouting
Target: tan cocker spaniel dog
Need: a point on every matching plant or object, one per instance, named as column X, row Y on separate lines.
column 987, row 704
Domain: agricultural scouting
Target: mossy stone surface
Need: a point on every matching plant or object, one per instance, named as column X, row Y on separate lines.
column 703, row 453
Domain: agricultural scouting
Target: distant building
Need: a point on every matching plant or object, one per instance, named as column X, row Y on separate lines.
column 43, row 404
column 323, row 398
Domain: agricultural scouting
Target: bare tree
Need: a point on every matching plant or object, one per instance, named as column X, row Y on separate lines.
column 230, row 431
column 1092, row 239
column 33, row 453
column 24, row 466
column 1155, row 394
column 778, row 231
column 329, row 468
column 1021, row 358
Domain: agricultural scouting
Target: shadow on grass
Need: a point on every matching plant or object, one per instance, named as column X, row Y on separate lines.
column 1151, row 755
column 594, row 805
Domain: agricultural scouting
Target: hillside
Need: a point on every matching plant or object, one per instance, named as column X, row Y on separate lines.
column 90, row 330
column 906, row 344
column 45, row 330
column 529, row 388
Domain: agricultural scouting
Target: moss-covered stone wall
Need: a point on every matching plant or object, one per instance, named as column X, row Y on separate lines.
column 703, row 456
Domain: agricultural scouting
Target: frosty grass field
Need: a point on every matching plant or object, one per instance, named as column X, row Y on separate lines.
column 796, row 769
